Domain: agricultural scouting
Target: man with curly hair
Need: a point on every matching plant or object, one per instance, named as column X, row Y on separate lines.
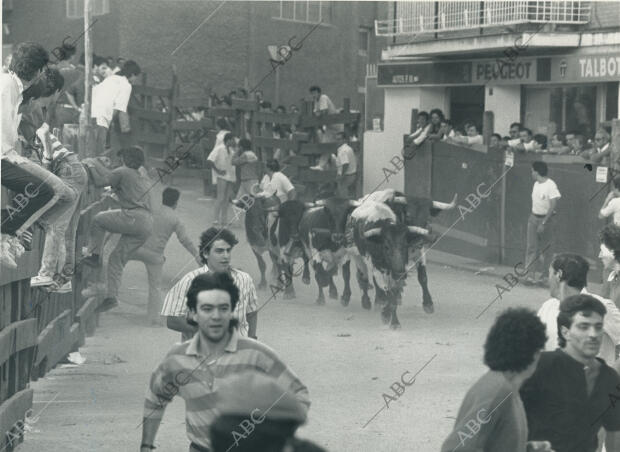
column 215, row 252
column 491, row 417
column 568, row 275
column 567, row 400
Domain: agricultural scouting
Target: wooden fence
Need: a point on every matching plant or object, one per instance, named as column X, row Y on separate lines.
column 168, row 123
column 38, row 329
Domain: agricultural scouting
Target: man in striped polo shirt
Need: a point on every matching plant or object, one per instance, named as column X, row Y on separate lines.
column 195, row 369
column 215, row 249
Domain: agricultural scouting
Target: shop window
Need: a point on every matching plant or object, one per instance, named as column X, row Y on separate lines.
column 611, row 112
column 573, row 109
column 75, row 8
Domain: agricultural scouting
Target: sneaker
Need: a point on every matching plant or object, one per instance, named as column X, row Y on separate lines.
column 106, row 305
column 65, row 288
column 39, row 280
column 7, row 258
column 93, row 290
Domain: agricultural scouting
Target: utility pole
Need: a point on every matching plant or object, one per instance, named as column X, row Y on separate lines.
column 86, row 141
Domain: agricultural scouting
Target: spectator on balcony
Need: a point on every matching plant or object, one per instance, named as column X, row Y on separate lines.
column 424, row 128
column 539, row 143
column 133, row 221
column 322, row 106
column 611, row 205
column 472, row 137
column 496, row 141
column 220, row 161
column 447, row 130
column 37, row 190
column 558, row 144
column 513, row 132
column 600, row 154
column 437, row 117
column 526, row 141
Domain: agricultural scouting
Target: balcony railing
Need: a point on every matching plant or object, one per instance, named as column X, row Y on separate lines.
column 419, row 17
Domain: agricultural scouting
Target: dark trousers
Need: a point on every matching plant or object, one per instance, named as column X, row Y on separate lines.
column 32, row 196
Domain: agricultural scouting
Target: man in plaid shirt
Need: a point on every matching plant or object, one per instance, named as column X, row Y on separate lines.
column 215, row 249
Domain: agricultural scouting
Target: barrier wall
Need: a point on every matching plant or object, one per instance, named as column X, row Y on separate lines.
column 494, row 231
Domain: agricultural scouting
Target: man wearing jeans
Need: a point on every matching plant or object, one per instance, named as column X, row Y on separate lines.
column 545, row 195
column 133, row 221
column 165, row 222
column 346, row 163
column 36, row 189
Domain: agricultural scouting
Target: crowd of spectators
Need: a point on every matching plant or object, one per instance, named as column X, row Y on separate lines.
column 46, row 177
column 434, row 126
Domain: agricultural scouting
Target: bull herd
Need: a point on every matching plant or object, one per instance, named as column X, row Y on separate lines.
column 384, row 233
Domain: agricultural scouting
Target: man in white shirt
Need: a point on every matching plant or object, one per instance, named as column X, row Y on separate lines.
column 424, row 128
column 346, row 163
column 515, row 128
column 220, row 160
column 611, row 206
column 526, row 139
column 568, row 275
column 545, row 195
column 473, row 137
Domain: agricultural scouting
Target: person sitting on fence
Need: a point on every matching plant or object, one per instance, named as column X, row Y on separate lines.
column 133, row 221
column 346, row 162
column 220, row 161
column 275, row 188
column 324, row 106
column 37, row 190
column 58, row 261
column 424, row 128
column 249, row 168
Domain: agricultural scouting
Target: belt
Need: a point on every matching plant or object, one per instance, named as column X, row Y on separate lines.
column 199, row 448
column 539, row 216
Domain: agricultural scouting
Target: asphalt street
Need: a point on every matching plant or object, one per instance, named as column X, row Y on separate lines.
column 348, row 359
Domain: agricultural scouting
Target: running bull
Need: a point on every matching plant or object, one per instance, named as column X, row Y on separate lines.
column 385, row 228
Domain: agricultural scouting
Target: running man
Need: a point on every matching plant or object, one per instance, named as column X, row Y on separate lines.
column 195, row 369
column 215, row 250
column 165, row 223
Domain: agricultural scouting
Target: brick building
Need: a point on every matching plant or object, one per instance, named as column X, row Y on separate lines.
column 229, row 50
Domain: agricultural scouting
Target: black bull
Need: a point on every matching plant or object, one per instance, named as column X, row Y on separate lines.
column 281, row 241
column 322, row 231
column 387, row 244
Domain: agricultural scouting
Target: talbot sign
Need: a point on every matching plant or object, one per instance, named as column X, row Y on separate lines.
column 580, row 68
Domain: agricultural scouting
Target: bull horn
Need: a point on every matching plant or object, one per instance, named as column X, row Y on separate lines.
column 309, row 205
column 372, row 232
column 418, row 230
column 445, row 206
column 400, row 200
column 354, row 203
